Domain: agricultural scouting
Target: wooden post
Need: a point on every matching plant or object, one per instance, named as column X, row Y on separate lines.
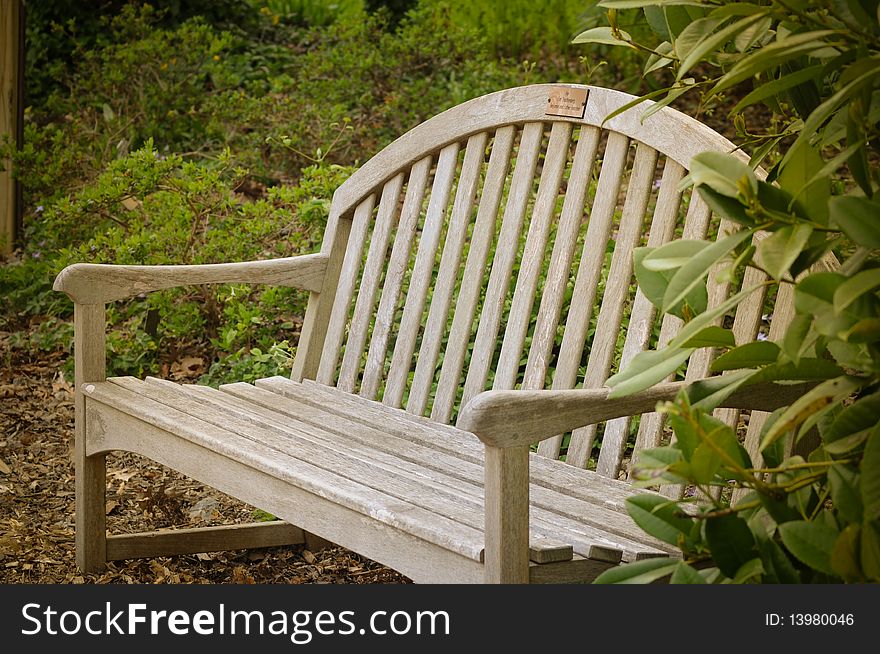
column 90, row 476
column 10, row 114
column 507, row 515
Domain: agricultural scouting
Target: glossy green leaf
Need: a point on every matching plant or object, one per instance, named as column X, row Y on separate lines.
column 777, row 252
column 670, row 256
column 712, row 336
column 816, row 399
column 710, row 315
column 777, row 87
column 845, row 554
column 870, row 551
column 845, row 492
column 708, row 394
column 749, row 571
column 814, row 294
column 692, row 273
column 750, row 355
column 638, row 572
column 726, row 206
column 795, row 341
column 857, row 217
column 771, row 56
column 864, row 331
column 810, row 543
column 646, row 369
column 639, row 4
column 860, row 415
column 778, row 563
column 685, row 574
column 859, row 284
column 723, row 173
column 716, row 41
column 603, row 35
column 807, row 369
column 660, row 517
column 870, row 473
column 731, row 541
column 798, row 177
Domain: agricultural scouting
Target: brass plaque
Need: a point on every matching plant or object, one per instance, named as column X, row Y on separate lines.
column 567, row 101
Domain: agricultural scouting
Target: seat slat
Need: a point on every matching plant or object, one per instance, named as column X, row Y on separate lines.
column 551, row 509
column 499, row 278
column 366, row 297
column 561, row 259
column 620, row 274
column 465, row 307
column 641, row 321
column 330, row 486
column 447, row 274
column 273, row 420
column 400, row 254
column 420, row 278
column 589, row 272
column 533, row 257
column 351, row 266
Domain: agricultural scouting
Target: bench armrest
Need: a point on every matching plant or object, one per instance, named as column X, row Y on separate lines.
column 517, row 418
column 89, row 283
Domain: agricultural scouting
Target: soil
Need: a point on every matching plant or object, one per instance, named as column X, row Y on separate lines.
column 37, row 502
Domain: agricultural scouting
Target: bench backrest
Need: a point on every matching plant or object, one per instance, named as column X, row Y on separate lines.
column 492, row 247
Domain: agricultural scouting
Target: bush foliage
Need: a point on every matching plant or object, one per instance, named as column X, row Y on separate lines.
column 814, row 516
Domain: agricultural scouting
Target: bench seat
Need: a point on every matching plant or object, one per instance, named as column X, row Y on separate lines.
column 416, row 477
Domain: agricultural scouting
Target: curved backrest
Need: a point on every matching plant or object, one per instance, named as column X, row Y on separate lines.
column 492, row 247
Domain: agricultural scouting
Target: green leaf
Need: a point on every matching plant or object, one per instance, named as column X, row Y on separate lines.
column 714, row 42
column 857, row 217
column 845, row 554
column 646, row 369
column 685, row 574
column 805, row 370
column 750, row 355
column 864, row 331
column 726, row 206
column 707, row 317
column 870, row 551
column 670, row 256
column 860, row 415
column 708, row 394
column 777, row 87
column 795, row 340
column 712, row 336
column 692, row 273
column 816, row 399
column 731, row 542
column 638, row 572
column 870, row 469
column 810, row 542
column 797, row 177
column 778, row 563
column 859, row 284
column 722, row 172
column 603, row 35
column 771, row 56
column 814, row 294
column 638, row 4
column 659, row 517
column 846, row 444
column 845, row 495
column 778, row 251
column 748, row 571
column 774, row 453
column 655, row 267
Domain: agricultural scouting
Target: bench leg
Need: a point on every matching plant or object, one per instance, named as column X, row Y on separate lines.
column 507, row 515
column 91, row 527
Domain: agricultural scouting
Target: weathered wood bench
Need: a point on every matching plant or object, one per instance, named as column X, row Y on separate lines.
column 478, row 268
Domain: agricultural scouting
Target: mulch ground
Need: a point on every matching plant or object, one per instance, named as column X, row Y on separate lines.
column 37, row 502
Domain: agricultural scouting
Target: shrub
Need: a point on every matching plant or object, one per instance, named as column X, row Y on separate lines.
column 796, row 518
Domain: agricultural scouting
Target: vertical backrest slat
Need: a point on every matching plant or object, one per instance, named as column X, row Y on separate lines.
column 366, row 299
column 559, row 271
column 420, row 278
column 472, row 279
column 696, row 224
column 617, row 286
column 643, row 314
column 397, row 265
column 447, row 273
column 533, row 257
column 589, row 273
column 505, row 251
column 351, row 266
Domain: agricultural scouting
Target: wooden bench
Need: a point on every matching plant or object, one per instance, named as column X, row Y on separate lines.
column 473, row 273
